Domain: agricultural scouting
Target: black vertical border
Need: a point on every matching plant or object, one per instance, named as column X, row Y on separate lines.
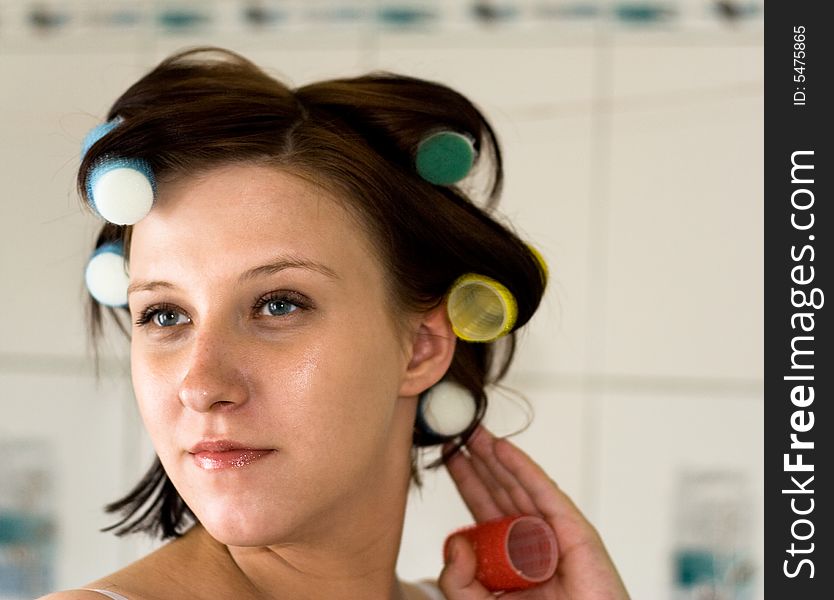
column 790, row 128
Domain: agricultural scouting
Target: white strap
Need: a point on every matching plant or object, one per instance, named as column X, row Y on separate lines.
column 112, row 595
column 431, row 590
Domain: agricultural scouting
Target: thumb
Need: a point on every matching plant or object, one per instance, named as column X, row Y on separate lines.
column 457, row 580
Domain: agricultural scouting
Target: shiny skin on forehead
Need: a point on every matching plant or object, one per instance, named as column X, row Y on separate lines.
column 251, row 214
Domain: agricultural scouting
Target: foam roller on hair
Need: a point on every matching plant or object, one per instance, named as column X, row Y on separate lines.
column 121, row 190
column 446, row 409
column 98, row 132
column 106, row 275
column 480, row 308
column 445, row 157
column 513, row 553
column 545, row 270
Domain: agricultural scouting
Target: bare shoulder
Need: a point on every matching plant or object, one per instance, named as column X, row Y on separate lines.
column 134, row 581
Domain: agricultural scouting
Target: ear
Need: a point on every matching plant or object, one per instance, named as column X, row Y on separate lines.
column 432, row 349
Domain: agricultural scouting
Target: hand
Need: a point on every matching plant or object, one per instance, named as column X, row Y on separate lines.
column 497, row 479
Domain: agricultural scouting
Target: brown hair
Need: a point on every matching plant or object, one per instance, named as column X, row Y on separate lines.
column 356, row 138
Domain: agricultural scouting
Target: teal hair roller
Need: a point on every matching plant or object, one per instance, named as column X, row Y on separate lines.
column 445, row 157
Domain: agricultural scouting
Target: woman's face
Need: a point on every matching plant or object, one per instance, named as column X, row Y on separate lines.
column 265, row 359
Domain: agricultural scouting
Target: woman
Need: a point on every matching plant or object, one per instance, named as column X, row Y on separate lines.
column 291, row 273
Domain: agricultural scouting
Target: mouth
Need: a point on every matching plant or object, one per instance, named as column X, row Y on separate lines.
column 224, row 454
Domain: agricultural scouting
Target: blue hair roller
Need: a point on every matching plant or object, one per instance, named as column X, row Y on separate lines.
column 106, row 275
column 98, row 132
column 121, row 190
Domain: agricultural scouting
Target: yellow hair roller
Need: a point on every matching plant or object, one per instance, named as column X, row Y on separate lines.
column 480, row 308
column 542, row 262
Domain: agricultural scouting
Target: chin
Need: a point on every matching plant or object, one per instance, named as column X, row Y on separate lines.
column 235, row 533
column 244, row 527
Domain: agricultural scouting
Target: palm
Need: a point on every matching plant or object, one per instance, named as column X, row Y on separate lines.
column 497, row 479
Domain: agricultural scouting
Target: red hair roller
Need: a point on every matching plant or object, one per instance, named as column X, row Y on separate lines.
column 513, row 553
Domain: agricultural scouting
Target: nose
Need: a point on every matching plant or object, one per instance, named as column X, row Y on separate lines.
column 213, row 377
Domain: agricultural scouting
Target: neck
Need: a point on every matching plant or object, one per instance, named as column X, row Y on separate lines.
column 354, row 556
column 285, row 573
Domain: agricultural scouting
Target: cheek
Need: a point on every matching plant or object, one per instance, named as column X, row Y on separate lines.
column 155, row 397
column 346, row 389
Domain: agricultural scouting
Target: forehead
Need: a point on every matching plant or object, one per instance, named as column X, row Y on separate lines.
column 244, row 213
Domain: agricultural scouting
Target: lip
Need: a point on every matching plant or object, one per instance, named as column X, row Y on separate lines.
column 226, row 454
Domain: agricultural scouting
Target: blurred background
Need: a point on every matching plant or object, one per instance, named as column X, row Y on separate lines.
column 632, row 133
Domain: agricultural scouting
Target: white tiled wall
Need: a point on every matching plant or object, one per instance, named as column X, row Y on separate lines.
column 87, row 427
column 49, row 100
column 633, row 162
column 683, row 242
column 646, row 440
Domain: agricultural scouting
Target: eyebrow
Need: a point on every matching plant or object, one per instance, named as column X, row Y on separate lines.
column 287, row 262
column 270, row 268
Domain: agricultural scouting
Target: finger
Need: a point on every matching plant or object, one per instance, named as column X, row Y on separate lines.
column 472, row 490
column 542, row 489
column 570, row 524
column 499, row 493
column 580, row 546
column 513, row 489
column 457, row 580
column 483, row 450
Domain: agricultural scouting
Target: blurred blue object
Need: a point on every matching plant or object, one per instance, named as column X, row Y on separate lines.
column 22, row 528
column 642, row 12
column 27, row 555
column 181, row 18
column 405, row 15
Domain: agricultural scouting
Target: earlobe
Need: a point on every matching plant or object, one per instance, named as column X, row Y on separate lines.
column 433, row 347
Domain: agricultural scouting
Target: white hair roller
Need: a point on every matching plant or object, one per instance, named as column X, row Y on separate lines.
column 446, row 409
column 121, row 190
column 106, row 275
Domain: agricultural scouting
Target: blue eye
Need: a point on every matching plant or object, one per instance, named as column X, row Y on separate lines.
column 280, row 304
column 169, row 318
column 279, row 307
column 162, row 315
